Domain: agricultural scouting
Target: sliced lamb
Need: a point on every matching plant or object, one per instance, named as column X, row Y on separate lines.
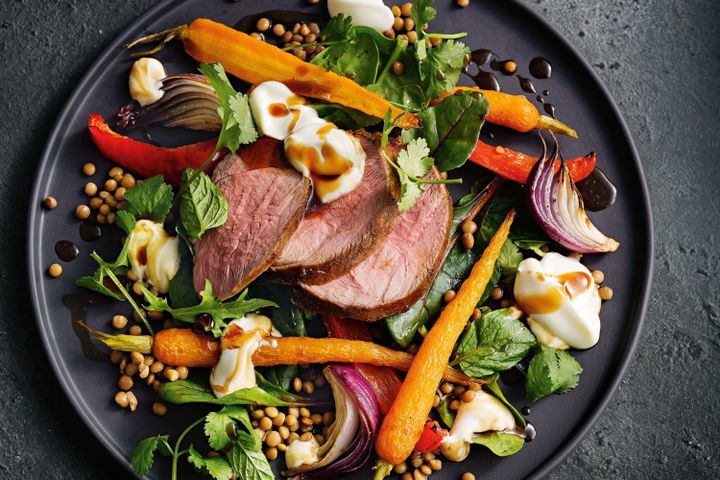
column 335, row 237
column 266, row 200
column 397, row 273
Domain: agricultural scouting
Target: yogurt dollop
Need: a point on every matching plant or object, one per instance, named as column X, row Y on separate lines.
column 369, row 13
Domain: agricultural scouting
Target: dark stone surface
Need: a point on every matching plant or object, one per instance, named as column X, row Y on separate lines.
column 659, row 59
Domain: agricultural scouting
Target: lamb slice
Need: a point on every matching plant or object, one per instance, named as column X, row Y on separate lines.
column 397, row 273
column 265, row 207
column 265, row 152
column 336, row 236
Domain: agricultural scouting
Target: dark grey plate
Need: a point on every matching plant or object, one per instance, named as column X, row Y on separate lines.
column 509, row 29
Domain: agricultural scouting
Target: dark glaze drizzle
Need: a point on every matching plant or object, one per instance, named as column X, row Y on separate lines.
column 598, row 192
column 548, row 107
column 78, row 305
column 546, row 92
column 66, row 250
column 90, row 231
column 525, row 411
column 483, row 79
column 526, row 84
column 540, row 67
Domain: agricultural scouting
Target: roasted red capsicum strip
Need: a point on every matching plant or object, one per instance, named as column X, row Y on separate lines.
column 145, row 159
column 384, row 381
column 516, row 166
column 431, row 437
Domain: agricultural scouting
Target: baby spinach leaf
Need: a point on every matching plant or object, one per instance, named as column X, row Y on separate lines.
column 217, row 467
column 493, row 387
column 451, row 128
column 551, row 371
column 195, row 390
column 182, row 291
column 501, row 444
column 343, row 117
column 202, row 204
column 404, row 91
column 143, row 455
column 210, row 305
column 288, row 319
column 494, row 343
column 247, row 459
column 281, row 375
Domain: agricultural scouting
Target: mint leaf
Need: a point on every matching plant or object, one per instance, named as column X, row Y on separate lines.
column 210, row 305
column 495, row 343
column 551, row 371
column 217, row 467
column 152, row 198
column 247, row 459
column 143, row 455
column 238, row 127
column 202, row 205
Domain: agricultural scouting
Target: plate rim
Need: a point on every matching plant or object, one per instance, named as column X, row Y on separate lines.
column 36, row 273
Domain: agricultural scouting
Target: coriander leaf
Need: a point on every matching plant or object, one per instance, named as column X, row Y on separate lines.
column 339, row 29
column 210, row 305
column 551, row 371
column 422, row 12
column 451, row 128
column 217, row 467
column 357, row 59
column 440, row 69
column 500, row 443
column 202, row 205
column 415, row 159
column 495, row 343
column 151, row 198
column 247, row 459
column 197, row 390
column 143, row 455
column 410, row 192
column 508, row 261
column 238, row 127
column 216, row 425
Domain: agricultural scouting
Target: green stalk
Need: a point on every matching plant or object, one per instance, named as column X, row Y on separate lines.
column 447, row 36
column 176, row 450
column 400, row 45
column 124, row 292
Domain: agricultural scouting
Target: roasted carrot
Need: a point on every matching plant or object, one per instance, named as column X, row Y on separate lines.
column 184, row 346
column 403, row 425
column 516, row 166
column 384, row 381
column 515, row 112
column 255, row 61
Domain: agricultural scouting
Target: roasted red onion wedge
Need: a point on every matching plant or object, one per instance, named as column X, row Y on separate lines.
column 556, row 205
column 352, row 435
column 189, row 101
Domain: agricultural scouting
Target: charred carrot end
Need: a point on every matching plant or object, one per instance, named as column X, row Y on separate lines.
column 403, row 425
column 184, row 346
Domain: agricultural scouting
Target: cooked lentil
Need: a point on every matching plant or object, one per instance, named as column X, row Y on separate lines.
column 50, row 202
column 82, row 212
column 55, row 270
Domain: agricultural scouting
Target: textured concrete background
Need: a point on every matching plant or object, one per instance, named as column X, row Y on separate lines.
column 659, row 59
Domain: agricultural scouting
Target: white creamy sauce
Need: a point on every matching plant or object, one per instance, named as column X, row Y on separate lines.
column 369, row 13
column 145, row 81
column 153, row 254
column 484, row 413
column 302, row 452
column 561, row 300
column 235, row 370
column 331, row 157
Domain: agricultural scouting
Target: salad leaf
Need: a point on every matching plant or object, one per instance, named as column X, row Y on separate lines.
column 100, row 282
column 404, row 91
column 551, row 371
column 247, row 459
column 446, row 415
column 343, row 117
column 217, row 467
column 422, row 12
column 288, row 319
column 216, row 425
column 357, row 58
column 143, row 455
column 182, row 291
column 210, row 305
column 281, row 375
column 238, row 127
column 451, row 128
column 501, row 444
column 195, row 390
column 494, row 343
column 440, row 70
column 339, row 29
column 413, row 161
column 151, row 198
column 494, row 389
column 202, row 205
column 508, row 261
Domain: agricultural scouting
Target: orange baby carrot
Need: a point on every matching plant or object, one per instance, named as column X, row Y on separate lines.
column 403, row 425
column 184, row 346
